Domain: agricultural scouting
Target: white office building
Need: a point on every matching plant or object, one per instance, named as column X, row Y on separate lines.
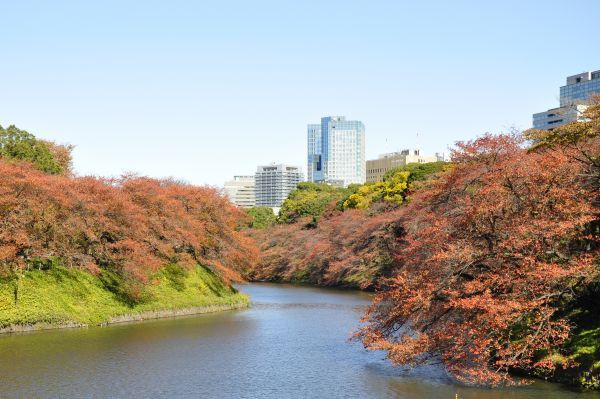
column 274, row 182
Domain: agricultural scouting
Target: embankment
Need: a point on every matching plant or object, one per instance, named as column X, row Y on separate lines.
column 66, row 298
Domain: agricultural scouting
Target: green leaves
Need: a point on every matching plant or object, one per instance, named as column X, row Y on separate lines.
column 309, row 199
column 417, row 171
column 261, row 217
column 22, row 145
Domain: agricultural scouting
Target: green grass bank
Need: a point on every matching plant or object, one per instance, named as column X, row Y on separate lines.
column 61, row 297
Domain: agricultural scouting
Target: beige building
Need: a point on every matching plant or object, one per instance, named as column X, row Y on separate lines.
column 376, row 168
column 241, row 191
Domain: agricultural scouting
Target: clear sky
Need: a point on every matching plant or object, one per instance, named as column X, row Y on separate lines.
column 204, row 90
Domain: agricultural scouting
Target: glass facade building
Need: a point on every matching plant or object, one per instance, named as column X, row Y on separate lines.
column 574, row 97
column 580, row 88
column 552, row 118
column 315, row 169
column 336, row 151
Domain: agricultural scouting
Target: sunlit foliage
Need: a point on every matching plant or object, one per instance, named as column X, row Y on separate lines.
column 309, row 199
column 393, row 190
column 261, row 217
column 493, row 252
column 122, row 230
column 46, row 156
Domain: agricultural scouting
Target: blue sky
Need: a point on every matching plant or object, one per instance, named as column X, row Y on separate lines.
column 205, row 90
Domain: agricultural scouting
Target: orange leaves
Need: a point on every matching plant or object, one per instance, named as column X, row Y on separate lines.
column 8, row 252
column 474, row 270
column 131, row 226
column 488, row 261
column 349, row 248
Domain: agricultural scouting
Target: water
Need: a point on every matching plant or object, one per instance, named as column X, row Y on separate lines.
column 291, row 344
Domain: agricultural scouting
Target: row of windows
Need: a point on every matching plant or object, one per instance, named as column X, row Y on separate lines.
column 378, row 170
column 586, row 87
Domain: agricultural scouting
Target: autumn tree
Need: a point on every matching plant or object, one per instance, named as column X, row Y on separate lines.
column 487, row 262
column 62, row 155
column 354, row 240
column 579, row 139
column 123, row 230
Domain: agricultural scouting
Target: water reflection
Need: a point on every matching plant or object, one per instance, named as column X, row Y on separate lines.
column 291, row 344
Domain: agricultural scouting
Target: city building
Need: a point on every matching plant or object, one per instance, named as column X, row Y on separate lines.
column 241, row 191
column 554, row 117
column 376, row 168
column 274, row 182
column 336, row 151
column 580, row 88
column 574, row 97
column 442, row 157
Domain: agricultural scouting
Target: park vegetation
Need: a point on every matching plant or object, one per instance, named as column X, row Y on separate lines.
column 44, row 155
column 488, row 265
column 131, row 234
column 260, row 217
column 335, row 236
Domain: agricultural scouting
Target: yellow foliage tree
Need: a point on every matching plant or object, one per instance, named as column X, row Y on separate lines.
column 391, row 190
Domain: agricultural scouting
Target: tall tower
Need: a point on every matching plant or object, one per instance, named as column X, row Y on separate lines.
column 336, row 151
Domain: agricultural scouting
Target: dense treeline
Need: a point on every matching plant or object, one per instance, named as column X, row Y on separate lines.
column 488, row 266
column 349, row 249
column 122, row 230
column 340, row 237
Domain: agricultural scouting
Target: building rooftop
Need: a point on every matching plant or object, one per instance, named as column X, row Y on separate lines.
column 412, row 151
column 583, row 77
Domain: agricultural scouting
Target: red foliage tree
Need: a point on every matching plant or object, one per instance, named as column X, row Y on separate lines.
column 487, row 263
column 351, row 248
column 127, row 227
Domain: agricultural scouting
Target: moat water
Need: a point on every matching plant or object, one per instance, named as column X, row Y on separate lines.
column 292, row 343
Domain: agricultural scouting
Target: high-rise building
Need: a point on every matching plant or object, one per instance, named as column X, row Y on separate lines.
column 314, row 172
column 274, row 183
column 241, row 191
column 376, row 168
column 336, row 151
column 580, row 88
column 574, row 97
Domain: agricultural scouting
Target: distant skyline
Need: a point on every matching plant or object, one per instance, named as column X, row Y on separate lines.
column 204, row 91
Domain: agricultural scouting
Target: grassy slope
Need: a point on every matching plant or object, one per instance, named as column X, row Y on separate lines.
column 62, row 295
column 584, row 349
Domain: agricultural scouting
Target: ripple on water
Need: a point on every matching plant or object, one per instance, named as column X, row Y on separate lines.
column 293, row 343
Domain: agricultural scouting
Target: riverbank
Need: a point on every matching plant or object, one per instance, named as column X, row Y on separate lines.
column 68, row 298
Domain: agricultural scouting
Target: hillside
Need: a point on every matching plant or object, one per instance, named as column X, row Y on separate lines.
column 84, row 249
